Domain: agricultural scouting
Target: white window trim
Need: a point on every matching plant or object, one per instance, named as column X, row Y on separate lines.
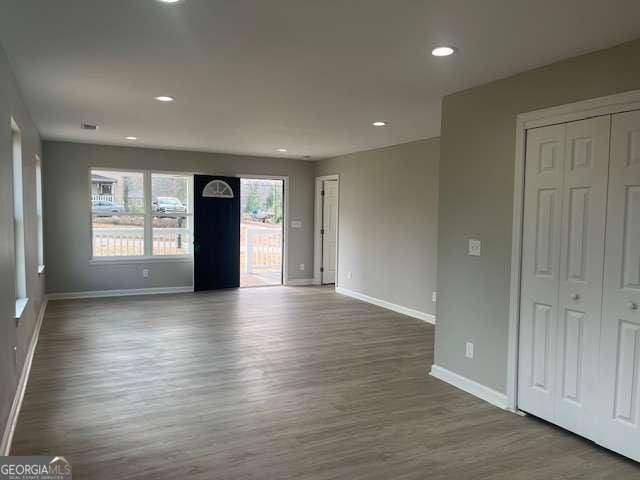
column 140, row 259
column 39, row 215
column 21, row 306
column 148, row 256
column 19, row 241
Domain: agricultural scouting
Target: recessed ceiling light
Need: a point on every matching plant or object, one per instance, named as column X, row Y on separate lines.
column 165, row 98
column 283, row 150
column 169, row 1
column 90, row 126
column 131, row 138
column 443, row 51
column 379, row 124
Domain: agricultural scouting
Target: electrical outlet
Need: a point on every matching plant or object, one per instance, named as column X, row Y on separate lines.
column 349, row 275
column 302, row 267
column 469, row 350
column 434, row 297
column 145, row 272
column 474, row 247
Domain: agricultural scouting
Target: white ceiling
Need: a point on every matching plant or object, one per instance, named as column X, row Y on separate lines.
column 250, row 76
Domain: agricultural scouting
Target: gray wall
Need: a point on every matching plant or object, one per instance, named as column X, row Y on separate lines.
column 67, row 222
column 16, row 333
column 389, row 222
column 476, row 196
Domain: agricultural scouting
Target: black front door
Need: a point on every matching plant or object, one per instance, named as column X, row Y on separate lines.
column 216, row 232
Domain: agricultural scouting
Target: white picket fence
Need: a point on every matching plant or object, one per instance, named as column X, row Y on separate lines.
column 260, row 250
column 102, row 198
column 116, row 242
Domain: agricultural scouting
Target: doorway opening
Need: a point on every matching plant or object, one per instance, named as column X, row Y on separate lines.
column 261, row 232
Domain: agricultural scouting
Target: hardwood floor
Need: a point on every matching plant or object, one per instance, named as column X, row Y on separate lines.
column 271, row 383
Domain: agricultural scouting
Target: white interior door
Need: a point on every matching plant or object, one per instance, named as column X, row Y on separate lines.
column 581, row 264
column 620, row 364
column 545, row 159
column 561, row 303
column 329, row 230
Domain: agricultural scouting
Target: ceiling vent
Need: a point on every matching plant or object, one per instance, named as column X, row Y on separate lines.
column 89, row 126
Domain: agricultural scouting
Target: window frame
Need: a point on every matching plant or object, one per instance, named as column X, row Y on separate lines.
column 39, row 215
column 148, row 256
column 21, row 289
column 188, row 214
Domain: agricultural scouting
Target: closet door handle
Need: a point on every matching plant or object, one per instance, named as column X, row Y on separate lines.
column 575, row 296
column 632, row 306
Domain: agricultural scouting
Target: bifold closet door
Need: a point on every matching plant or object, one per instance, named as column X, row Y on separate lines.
column 563, row 244
column 544, row 166
column 582, row 245
column 620, row 350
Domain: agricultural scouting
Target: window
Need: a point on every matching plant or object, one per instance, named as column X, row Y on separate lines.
column 217, row 189
column 39, row 214
column 172, row 207
column 18, row 222
column 140, row 214
column 118, row 213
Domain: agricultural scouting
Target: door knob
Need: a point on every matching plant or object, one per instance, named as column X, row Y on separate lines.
column 575, row 296
column 632, row 306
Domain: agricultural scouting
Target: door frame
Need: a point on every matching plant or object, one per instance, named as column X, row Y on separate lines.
column 285, row 218
column 317, row 237
column 609, row 105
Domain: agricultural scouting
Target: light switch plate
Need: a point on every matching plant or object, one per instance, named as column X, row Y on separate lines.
column 469, row 351
column 474, row 247
column 296, row 223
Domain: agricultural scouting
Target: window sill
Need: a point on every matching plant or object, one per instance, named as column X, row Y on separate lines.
column 40, row 270
column 140, row 260
column 21, row 306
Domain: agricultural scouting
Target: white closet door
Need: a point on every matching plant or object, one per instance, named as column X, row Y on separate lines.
column 581, row 263
column 620, row 348
column 330, row 231
column 561, row 301
column 545, row 159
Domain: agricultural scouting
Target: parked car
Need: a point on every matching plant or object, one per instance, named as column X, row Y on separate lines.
column 168, row 205
column 261, row 216
column 106, row 206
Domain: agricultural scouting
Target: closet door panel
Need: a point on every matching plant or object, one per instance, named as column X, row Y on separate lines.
column 545, row 162
column 581, row 264
column 620, row 347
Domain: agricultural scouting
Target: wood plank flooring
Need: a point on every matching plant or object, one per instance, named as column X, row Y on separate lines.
column 271, row 383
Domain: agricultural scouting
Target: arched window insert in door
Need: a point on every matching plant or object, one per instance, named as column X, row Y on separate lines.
column 217, row 189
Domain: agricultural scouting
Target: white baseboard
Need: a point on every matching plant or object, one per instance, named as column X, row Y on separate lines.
column 10, row 427
column 299, row 282
column 410, row 312
column 119, row 293
column 474, row 388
